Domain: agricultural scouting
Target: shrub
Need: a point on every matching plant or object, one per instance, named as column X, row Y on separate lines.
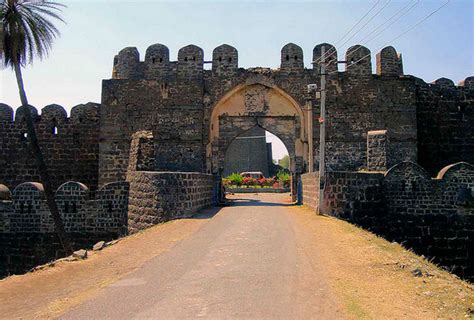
column 284, row 177
column 235, row 179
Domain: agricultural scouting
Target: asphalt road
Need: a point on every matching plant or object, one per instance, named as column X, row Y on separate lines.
column 250, row 261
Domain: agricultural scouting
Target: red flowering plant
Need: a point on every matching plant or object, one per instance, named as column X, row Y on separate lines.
column 249, row 181
column 265, row 182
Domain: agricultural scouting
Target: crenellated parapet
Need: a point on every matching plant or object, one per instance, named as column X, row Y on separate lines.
column 190, row 61
column 127, row 64
column 82, row 113
column 20, row 114
column 70, row 145
column 389, row 62
column 291, row 58
column 26, row 210
column 330, row 57
column 157, row 61
column 358, row 61
column 444, row 83
column 225, row 60
column 178, row 101
column 467, row 84
column 54, row 113
column 6, row 113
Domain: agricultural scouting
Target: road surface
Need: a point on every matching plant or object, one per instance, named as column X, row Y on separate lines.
column 249, row 261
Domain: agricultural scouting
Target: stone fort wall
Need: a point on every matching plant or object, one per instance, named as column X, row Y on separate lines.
column 153, row 127
column 156, row 197
column 27, row 236
column 445, row 122
column 433, row 216
column 175, row 99
column 70, row 145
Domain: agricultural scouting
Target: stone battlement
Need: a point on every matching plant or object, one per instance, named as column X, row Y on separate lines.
column 25, row 209
column 434, row 216
column 52, row 114
column 70, row 145
column 157, row 64
column 190, row 63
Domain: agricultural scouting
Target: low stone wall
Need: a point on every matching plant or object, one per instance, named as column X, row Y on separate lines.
column 434, row 217
column 22, row 251
column 27, row 233
column 157, row 197
column 310, row 190
column 354, row 196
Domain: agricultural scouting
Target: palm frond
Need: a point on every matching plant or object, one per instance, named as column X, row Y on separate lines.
column 28, row 31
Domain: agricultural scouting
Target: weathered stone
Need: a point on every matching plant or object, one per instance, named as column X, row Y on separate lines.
column 407, row 206
column 174, row 116
column 80, row 254
column 99, row 246
column 70, row 145
column 156, row 197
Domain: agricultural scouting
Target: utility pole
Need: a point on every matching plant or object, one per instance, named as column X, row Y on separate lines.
column 309, row 108
column 322, row 133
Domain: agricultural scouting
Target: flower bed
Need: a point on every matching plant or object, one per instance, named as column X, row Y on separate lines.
column 236, row 181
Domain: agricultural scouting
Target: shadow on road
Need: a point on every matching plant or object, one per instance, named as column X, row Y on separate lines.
column 252, row 202
column 241, row 202
column 207, row 213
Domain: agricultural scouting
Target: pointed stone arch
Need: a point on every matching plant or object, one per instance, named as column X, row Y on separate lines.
column 256, row 102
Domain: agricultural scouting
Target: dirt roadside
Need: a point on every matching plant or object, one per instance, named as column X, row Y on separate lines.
column 47, row 293
column 376, row 279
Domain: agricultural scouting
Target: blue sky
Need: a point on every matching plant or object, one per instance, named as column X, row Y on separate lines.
column 96, row 30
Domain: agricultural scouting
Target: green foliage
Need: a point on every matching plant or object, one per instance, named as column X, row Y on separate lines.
column 27, row 30
column 283, row 176
column 235, row 179
column 284, row 162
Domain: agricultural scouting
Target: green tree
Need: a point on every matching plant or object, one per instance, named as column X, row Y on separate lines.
column 284, row 162
column 27, row 33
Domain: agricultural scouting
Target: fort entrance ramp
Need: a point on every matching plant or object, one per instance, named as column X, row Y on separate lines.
column 260, row 258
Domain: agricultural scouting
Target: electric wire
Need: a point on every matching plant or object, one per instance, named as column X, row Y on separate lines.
column 360, row 29
column 353, row 27
column 410, row 6
column 400, row 35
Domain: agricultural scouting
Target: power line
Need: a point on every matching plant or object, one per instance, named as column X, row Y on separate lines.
column 368, row 21
column 350, row 30
column 401, row 34
column 359, row 47
column 363, row 26
column 388, row 26
column 360, row 20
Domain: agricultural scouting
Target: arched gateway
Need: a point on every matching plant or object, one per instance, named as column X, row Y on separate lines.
column 256, row 102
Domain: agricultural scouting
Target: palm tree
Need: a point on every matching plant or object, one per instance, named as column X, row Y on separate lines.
column 27, row 33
